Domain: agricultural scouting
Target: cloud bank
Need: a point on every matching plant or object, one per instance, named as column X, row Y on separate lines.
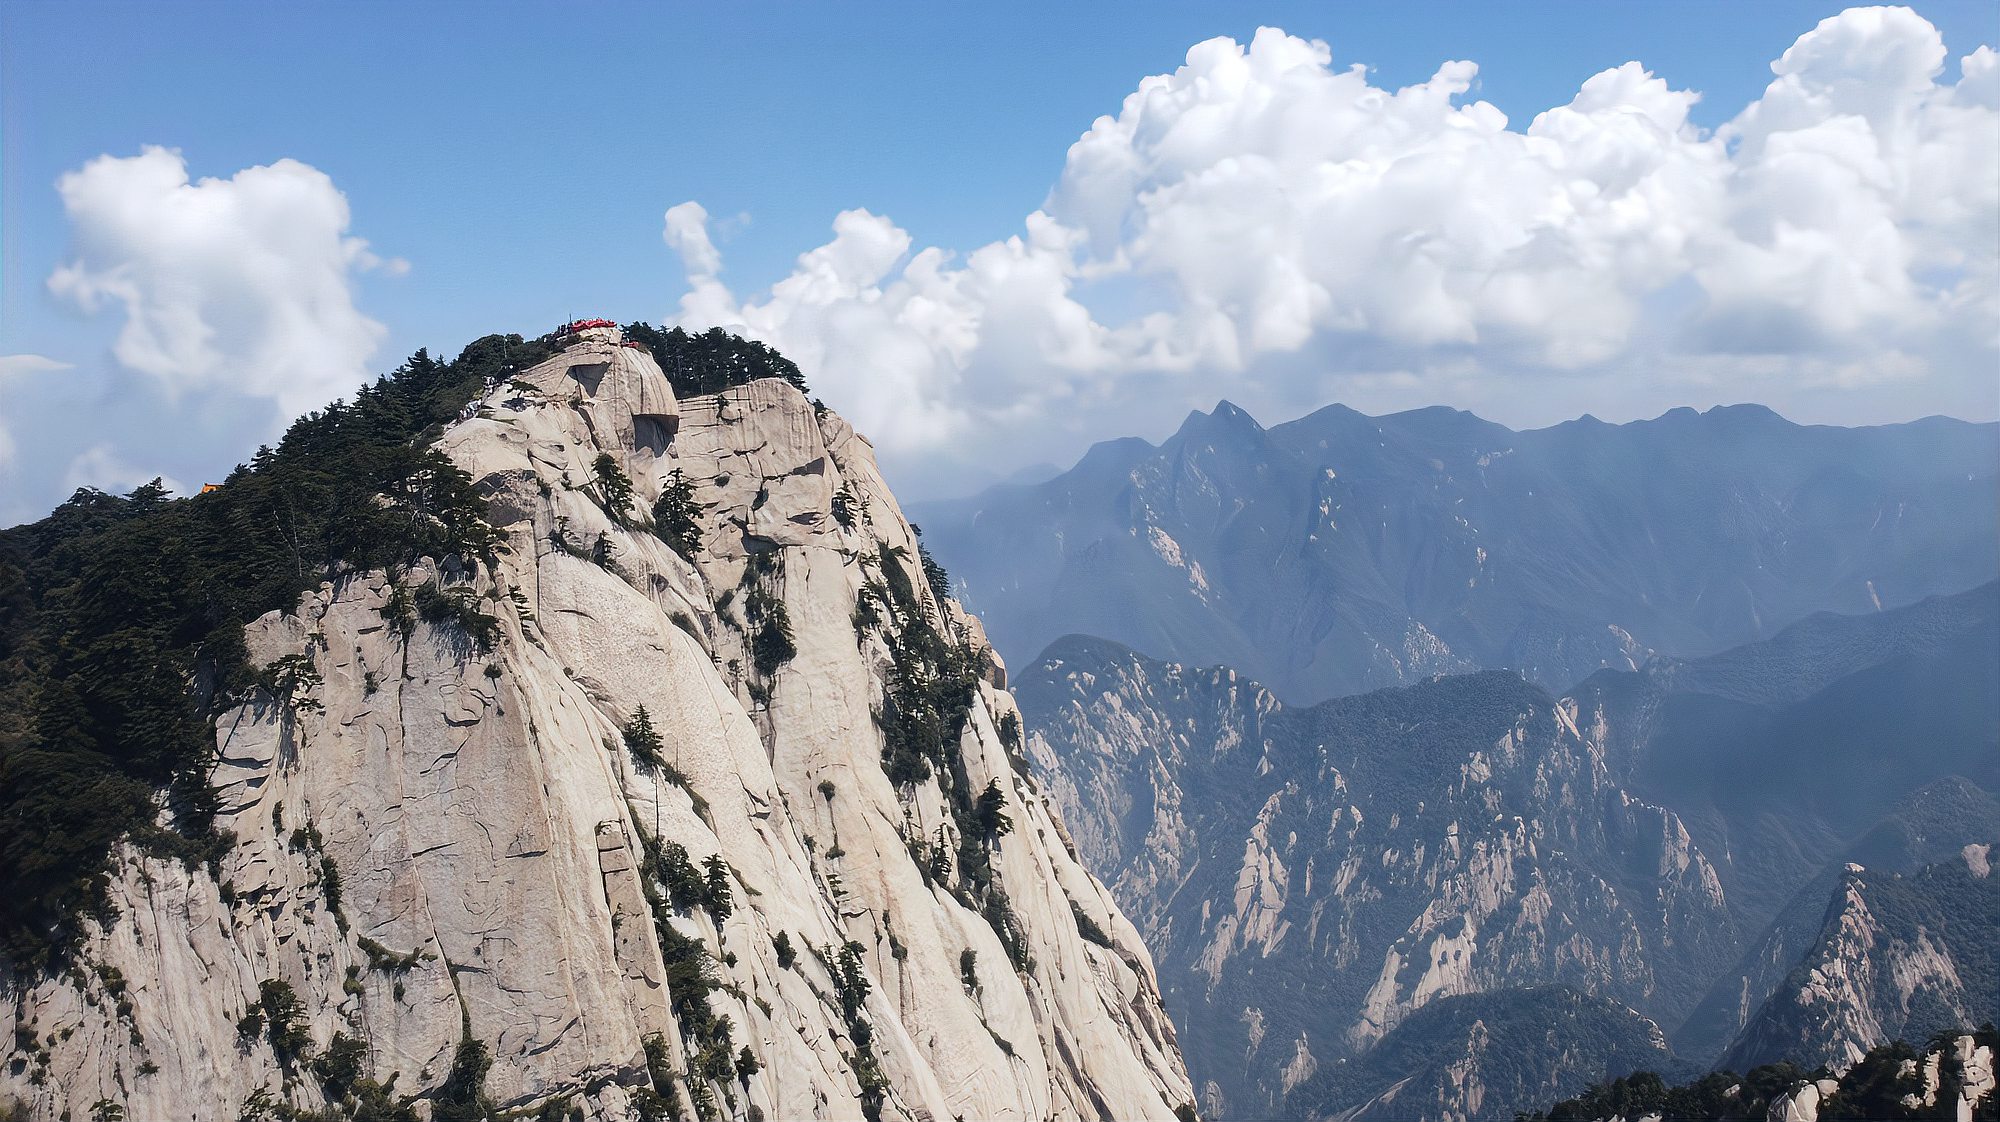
column 243, row 285
column 1267, row 225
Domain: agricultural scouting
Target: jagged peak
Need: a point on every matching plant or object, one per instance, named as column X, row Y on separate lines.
column 1226, row 418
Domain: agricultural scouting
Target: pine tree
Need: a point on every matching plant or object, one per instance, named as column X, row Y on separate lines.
column 643, row 741
column 720, row 902
column 675, row 516
column 615, row 486
column 993, row 822
column 851, row 979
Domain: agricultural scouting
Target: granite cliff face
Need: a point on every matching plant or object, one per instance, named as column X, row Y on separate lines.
column 1308, row 879
column 1899, row 957
column 453, row 834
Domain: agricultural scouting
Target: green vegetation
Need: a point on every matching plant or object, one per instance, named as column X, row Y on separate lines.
column 281, row 1017
column 658, row 1103
column 557, row 1109
column 715, row 887
column 990, row 820
column 844, row 506
column 601, row 553
column 771, row 643
column 339, row 1067
column 933, row 683
column 387, row 961
column 615, row 487
column 1088, row 927
column 851, row 983
column 1009, row 727
column 329, row 883
column 462, row 1098
column 121, row 624
column 676, row 516
column 691, row 975
column 712, row 361
column 457, row 607
column 772, row 646
column 643, row 741
column 1870, row 1091
column 934, row 573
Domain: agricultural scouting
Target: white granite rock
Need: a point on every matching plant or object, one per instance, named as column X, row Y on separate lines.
column 488, row 828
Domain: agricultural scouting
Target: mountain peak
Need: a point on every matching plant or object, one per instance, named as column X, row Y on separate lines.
column 1748, row 413
column 1226, row 420
column 547, row 740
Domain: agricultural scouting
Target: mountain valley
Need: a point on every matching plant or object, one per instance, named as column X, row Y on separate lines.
column 1309, row 879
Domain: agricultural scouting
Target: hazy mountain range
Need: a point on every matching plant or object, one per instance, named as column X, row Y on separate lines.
column 1341, row 552
column 1309, row 878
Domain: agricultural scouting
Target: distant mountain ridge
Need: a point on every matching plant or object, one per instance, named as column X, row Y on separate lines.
column 1341, row 552
column 1475, row 1057
column 1309, row 879
column 1869, row 738
column 1930, row 826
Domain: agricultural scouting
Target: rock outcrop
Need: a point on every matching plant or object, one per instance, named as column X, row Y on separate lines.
column 454, row 837
column 1951, row 1079
column 1938, row 822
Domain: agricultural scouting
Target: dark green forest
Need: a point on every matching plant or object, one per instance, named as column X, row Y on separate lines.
column 121, row 617
column 1871, row 1091
column 712, row 361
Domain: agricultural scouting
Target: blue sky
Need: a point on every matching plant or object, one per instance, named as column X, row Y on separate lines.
column 519, row 158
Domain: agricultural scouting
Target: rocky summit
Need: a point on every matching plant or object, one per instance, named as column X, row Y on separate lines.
column 709, row 812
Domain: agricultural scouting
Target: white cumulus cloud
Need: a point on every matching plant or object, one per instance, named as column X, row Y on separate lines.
column 1265, row 224
column 686, row 233
column 243, row 285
